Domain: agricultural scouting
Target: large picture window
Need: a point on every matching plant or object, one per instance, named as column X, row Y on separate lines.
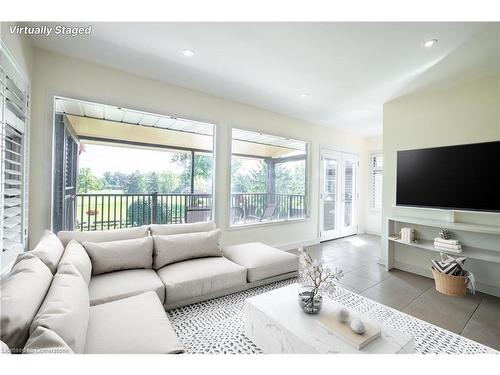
column 268, row 178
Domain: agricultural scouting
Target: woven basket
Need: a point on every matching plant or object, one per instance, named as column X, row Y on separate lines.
column 450, row 285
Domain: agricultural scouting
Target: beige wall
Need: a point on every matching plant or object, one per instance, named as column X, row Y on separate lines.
column 468, row 113
column 58, row 75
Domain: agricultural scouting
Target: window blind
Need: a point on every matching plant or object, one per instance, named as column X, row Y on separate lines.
column 377, row 163
column 14, row 117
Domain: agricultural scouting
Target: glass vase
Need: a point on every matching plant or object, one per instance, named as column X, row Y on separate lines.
column 310, row 299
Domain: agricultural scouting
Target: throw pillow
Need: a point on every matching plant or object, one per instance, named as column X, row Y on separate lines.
column 179, row 247
column 120, row 255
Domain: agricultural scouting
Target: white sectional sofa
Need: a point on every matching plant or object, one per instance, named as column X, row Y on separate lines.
column 107, row 292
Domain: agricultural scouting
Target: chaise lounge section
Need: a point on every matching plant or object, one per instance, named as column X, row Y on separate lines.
column 120, row 282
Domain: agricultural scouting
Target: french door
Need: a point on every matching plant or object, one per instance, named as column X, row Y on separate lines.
column 338, row 194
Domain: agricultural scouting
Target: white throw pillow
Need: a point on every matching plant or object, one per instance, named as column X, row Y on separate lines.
column 66, row 308
column 103, row 235
column 168, row 229
column 179, row 247
column 22, row 293
column 50, row 250
column 76, row 255
column 4, row 349
column 120, row 255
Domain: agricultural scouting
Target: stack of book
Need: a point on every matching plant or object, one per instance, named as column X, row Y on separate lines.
column 447, row 245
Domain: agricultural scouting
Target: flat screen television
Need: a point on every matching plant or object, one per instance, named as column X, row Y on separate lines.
column 462, row 177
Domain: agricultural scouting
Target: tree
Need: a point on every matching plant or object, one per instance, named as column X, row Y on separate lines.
column 202, row 171
column 87, row 181
column 168, row 182
column 248, row 176
column 115, row 180
column 152, row 182
column 136, row 183
column 291, row 178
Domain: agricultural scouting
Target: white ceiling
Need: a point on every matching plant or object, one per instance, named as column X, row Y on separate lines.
column 348, row 69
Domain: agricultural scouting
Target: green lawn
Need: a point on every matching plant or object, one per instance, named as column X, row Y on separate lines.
column 110, row 212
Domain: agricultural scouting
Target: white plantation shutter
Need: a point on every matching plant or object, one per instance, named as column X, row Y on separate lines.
column 377, row 164
column 14, row 118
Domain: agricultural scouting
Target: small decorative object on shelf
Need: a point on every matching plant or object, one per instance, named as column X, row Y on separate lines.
column 357, row 326
column 342, row 314
column 444, row 234
column 314, row 279
column 408, row 235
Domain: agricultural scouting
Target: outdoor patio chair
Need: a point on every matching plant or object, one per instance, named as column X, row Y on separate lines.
column 237, row 214
column 268, row 213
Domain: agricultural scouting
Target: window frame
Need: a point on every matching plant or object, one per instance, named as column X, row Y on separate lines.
column 307, row 195
column 374, row 169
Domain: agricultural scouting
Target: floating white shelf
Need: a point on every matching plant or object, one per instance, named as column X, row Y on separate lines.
column 467, row 251
column 477, row 228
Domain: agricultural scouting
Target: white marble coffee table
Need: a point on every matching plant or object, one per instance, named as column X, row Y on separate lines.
column 276, row 324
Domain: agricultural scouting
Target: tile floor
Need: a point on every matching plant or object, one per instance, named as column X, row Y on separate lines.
column 476, row 317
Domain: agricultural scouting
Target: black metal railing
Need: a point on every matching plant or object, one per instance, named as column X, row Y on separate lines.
column 113, row 211
column 255, row 207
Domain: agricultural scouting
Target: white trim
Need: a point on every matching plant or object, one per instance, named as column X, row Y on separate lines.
column 372, row 233
column 294, row 245
column 307, row 199
column 341, row 156
column 267, row 224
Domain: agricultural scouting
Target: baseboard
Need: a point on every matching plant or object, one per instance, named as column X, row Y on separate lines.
column 481, row 287
column 294, row 245
column 372, row 233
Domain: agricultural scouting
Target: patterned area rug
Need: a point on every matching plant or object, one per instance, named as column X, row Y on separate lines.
column 216, row 326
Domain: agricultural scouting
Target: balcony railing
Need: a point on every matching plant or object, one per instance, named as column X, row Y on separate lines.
column 255, row 207
column 114, row 211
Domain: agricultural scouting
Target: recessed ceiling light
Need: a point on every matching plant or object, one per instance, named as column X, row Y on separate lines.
column 429, row 43
column 304, row 95
column 188, row 53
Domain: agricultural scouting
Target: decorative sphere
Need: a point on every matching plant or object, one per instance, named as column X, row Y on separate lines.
column 357, row 326
column 342, row 314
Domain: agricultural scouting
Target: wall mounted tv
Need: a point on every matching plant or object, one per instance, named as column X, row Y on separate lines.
column 462, row 178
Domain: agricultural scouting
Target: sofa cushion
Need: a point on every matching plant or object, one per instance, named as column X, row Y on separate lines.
column 262, row 261
column 199, row 277
column 22, row 294
column 78, row 257
column 103, row 235
column 4, row 349
column 122, row 284
column 167, row 229
column 65, row 309
column 134, row 325
column 178, row 247
column 46, row 341
column 120, row 255
column 49, row 249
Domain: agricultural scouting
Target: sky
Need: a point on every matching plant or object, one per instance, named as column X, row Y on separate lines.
column 100, row 159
